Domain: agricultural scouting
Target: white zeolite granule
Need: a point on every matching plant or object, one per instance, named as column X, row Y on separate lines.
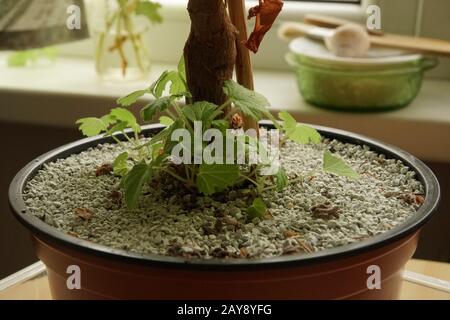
column 170, row 222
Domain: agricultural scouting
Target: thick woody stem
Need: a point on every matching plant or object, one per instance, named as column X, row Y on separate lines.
column 210, row 51
column 244, row 73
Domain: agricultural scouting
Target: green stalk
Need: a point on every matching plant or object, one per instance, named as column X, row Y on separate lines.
column 136, row 46
column 101, row 40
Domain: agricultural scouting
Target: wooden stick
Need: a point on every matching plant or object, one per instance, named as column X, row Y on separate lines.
column 244, row 73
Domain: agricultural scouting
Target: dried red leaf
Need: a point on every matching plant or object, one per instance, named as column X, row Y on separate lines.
column 419, row 199
column 84, row 213
column 266, row 13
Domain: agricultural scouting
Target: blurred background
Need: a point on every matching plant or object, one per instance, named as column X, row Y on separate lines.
column 67, row 59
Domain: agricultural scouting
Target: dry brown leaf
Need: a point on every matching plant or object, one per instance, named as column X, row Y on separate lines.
column 84, row 213
column 265, row 13
column 244, row 252
column 116, row 197
column 290, row 233
column 73, row 234
column 105, row 168
column 325, row 211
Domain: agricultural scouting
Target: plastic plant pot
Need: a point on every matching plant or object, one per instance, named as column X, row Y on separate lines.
column 339, row 273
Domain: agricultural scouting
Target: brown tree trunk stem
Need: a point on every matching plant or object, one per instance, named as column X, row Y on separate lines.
column 244, row 73
column 210, row 51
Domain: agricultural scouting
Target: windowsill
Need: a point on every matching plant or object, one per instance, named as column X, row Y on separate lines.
column 58, row 94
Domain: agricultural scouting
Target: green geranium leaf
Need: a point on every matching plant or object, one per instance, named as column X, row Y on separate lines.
column 92, row 126
column 131, row 98
column 118, row 127
column 134, row 181
column 177, row 84
column 120, row 164
column 213, row 178
column 126, row 116
column 182, row 68
column 200, row 111
column 167, row 121
column 156, row 89
column 108, row 119
column 220, row 124
column 305, row 134
column 299, row 133
column 159, row 137
column 289, row 123
column 247, row 101
column 149, row 9
column 257, row 210
column 333, row 164
column 282, row 179
column 156, row 106
column 169, row 144
column 156, row 149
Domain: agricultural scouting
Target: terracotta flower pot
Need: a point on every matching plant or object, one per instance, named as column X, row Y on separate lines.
column 339, row 273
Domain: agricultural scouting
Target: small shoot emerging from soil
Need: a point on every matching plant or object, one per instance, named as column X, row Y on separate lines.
column 147, row 159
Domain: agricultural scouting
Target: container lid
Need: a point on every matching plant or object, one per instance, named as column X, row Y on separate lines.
column 377, row 56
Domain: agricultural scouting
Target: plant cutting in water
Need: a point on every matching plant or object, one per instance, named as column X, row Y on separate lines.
column 119, row 21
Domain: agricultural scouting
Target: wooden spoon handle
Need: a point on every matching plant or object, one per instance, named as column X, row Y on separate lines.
column 332, row 22
column 378, row 38
column 423, row 45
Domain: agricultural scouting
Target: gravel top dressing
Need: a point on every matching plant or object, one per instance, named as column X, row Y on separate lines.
column 80, row 197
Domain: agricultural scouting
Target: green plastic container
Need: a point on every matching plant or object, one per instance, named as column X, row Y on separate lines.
column 369, row 84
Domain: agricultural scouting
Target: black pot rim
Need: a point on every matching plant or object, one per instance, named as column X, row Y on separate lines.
column 48, row 233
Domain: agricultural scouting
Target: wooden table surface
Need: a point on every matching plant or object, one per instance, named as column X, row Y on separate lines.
column 37, row 289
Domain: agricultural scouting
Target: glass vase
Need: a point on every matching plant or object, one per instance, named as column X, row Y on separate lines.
column 121, row 43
